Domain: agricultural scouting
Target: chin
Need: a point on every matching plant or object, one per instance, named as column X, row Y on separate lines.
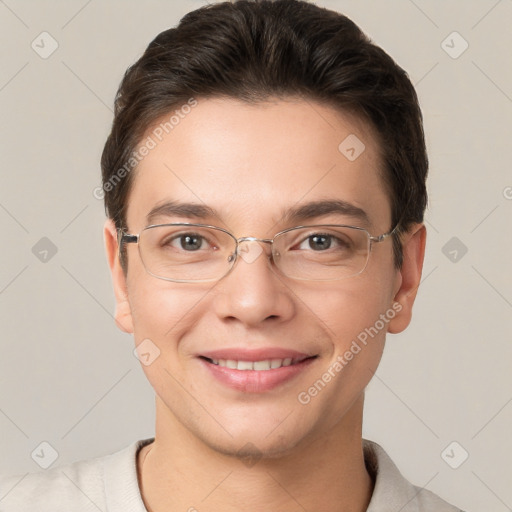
column 259, row 438
column 252, row 448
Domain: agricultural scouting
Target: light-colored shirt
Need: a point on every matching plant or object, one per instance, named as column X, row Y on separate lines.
column 109, row 484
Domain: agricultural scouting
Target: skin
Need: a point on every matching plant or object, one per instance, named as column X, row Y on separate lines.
column 251, row 163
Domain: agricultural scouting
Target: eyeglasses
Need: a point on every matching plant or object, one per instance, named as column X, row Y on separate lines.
column 186, row 252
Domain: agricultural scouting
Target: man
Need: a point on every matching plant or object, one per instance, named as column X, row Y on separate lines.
column 265, row 188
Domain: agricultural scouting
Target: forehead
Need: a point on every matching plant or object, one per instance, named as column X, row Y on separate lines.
column 251, row 163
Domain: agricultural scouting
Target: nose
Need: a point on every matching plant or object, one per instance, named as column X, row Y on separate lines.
column 253, row 293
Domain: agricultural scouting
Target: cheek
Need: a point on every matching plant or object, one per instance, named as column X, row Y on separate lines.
column 349, row 312
column 347, row 308
column 162, row 311
column 355, row 316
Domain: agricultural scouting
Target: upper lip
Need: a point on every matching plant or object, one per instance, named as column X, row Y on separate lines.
column 260, row 354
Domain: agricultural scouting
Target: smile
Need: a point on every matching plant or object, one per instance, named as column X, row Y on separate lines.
column 263, row 365
column 255, row 371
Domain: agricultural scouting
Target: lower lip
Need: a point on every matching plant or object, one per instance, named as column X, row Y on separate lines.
column 255, row 381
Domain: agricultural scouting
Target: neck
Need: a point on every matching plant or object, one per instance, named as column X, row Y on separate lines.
column 179, row 472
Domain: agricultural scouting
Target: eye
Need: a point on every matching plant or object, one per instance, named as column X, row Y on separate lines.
column 323, row 241
column 188, row 242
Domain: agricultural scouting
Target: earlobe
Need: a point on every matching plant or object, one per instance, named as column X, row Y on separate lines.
column 123, row 315
column 409, row 277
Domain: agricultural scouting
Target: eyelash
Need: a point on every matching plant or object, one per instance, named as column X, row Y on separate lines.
column 180, row 236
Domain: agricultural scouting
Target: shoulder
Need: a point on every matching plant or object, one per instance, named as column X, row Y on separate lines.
column 392, row 491
column 84, row 486
column 71, row 487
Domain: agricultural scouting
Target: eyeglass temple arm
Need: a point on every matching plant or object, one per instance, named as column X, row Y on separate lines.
column 382, row 237
column 128, row 239
column 125, row 238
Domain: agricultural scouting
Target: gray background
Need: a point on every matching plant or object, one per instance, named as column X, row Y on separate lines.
column 69, row 377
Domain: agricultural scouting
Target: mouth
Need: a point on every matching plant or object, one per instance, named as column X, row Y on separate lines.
column 261, row 365
column 255, row 371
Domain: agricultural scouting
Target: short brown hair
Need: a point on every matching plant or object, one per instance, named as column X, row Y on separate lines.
column 253, row 50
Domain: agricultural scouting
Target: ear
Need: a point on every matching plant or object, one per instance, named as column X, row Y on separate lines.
column 408, row 277
column 123, row 315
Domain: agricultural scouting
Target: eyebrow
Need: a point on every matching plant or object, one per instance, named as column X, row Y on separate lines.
column 315, row 209
column 175, row 208
column 300, row 213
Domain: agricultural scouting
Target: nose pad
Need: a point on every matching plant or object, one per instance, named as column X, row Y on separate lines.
column 250, row 250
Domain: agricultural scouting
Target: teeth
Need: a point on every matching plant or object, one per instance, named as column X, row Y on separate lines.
column 266, row 364
column 261, row 365
column 245, row 365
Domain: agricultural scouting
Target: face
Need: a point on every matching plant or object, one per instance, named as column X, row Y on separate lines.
column 251, row 164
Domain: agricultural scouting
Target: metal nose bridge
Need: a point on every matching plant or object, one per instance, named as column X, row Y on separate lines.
column 254, row 239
